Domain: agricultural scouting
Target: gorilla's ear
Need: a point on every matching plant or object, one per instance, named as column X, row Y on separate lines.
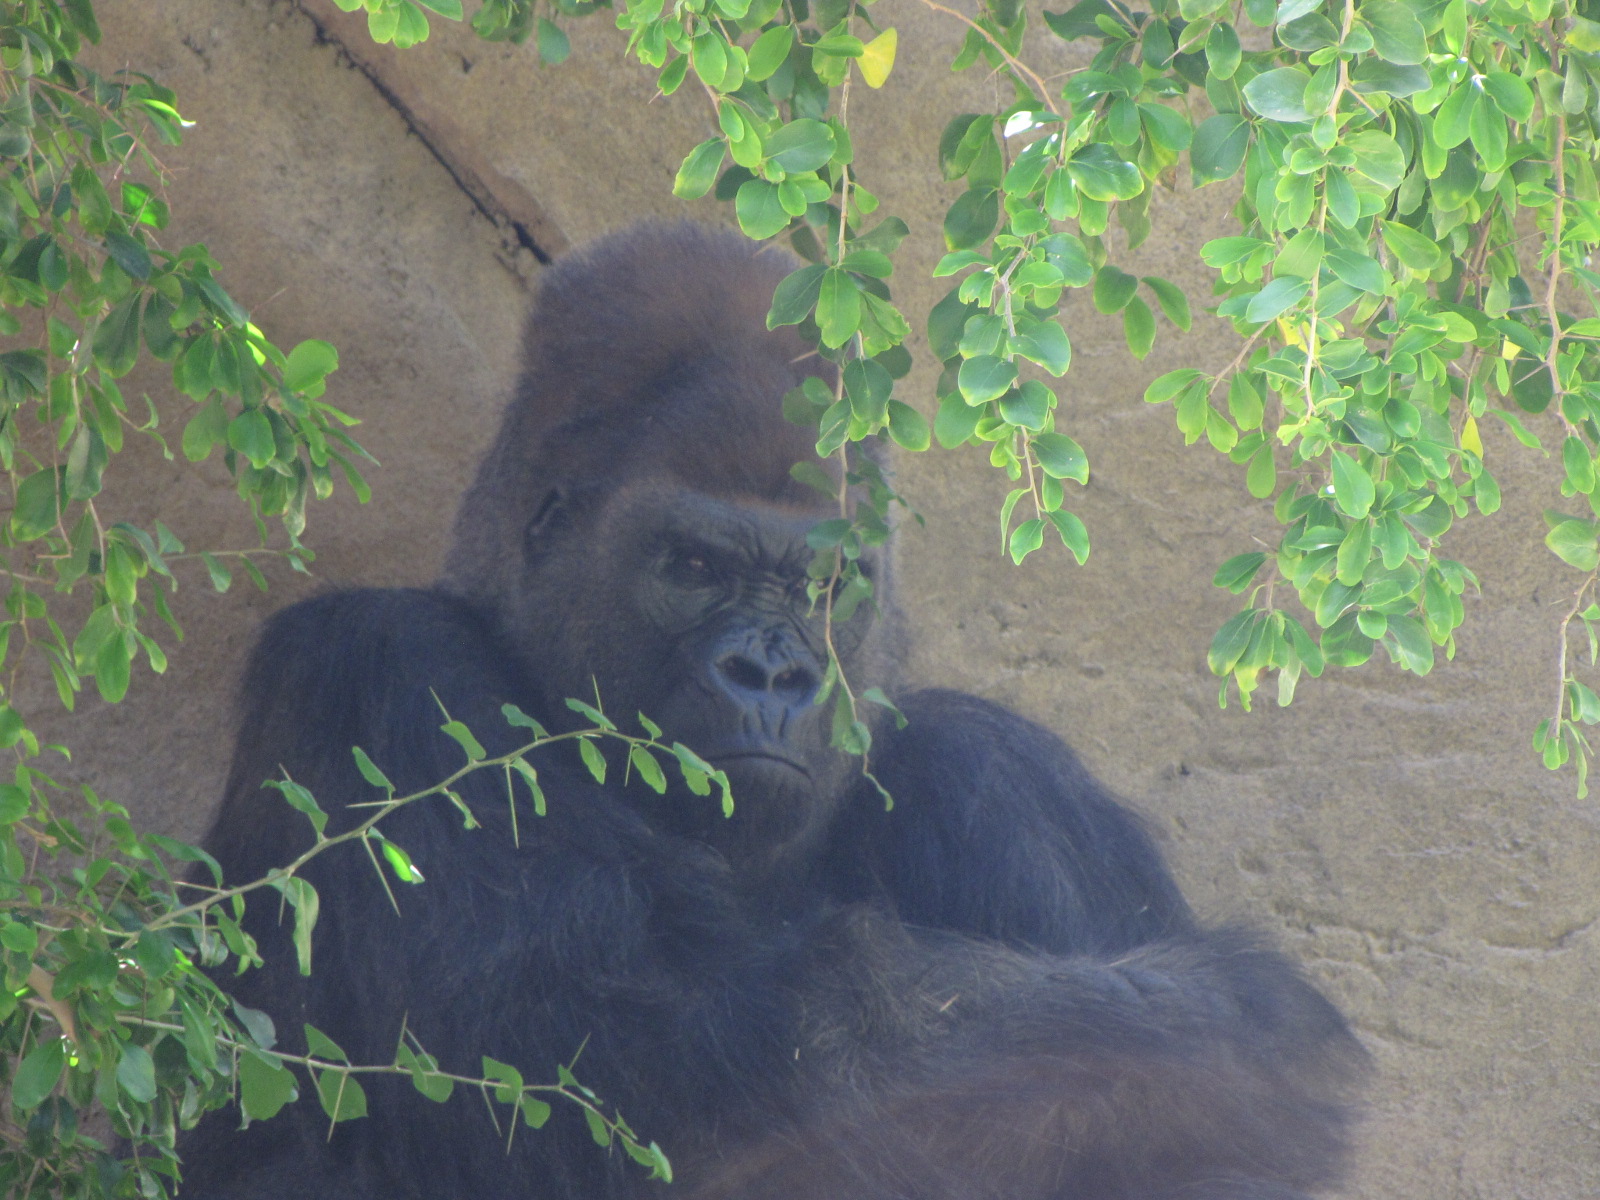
column 548, row 517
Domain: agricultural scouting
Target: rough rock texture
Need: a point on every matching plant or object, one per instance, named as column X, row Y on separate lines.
column 1395, row 833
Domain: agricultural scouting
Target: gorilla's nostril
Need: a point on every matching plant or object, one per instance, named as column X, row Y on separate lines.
column 795, row 681
column 743, row 673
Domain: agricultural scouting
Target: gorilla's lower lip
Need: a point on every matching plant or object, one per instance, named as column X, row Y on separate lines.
column 736, row 757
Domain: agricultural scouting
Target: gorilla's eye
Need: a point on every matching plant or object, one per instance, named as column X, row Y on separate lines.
column 691, row 568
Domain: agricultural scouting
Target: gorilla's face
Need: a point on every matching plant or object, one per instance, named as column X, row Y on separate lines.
column 693, row 610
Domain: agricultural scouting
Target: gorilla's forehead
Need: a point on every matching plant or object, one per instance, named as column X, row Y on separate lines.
column 757, row 530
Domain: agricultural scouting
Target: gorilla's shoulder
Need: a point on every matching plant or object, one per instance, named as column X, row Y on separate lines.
column 338, row 631
column 347, row 651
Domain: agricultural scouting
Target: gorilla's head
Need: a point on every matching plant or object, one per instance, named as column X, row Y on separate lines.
column 636, row 527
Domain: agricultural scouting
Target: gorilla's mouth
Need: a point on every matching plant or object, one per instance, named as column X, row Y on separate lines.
column 760, row 762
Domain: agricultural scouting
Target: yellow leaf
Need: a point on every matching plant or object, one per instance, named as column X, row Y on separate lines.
column 1470, row 441
column 877, row 58
column 1290, row 333
column 1508, row 349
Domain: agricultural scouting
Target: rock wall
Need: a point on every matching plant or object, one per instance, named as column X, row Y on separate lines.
column 1396, row 834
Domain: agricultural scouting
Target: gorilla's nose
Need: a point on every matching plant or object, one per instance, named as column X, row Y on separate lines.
column 765, row 674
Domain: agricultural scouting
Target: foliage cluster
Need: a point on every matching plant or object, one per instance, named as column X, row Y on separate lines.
column 1418, row 206
column 1417, row 210
column 107, row 1020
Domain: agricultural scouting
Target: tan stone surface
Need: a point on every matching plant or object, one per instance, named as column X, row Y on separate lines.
column 1395, row 833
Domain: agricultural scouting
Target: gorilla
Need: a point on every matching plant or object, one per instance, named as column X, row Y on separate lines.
column 990, row 989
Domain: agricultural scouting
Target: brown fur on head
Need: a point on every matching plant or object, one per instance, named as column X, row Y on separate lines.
column 646, row 353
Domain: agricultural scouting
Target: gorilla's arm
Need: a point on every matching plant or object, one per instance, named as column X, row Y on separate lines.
column 1111, row 1044
column 1201, row 1069
column 998, row 831
column 583, row 931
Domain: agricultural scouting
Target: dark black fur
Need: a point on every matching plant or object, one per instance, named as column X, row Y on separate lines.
column 993, row 990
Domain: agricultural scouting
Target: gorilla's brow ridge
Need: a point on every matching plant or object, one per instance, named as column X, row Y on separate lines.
column 764, row 536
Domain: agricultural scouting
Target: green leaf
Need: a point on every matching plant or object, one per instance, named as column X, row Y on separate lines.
column 136, row 1074
column 648, row 769
column 1578, row 464
column 1045, row 343
column 1060, row 457
column 308, row 364
column 1172, row 300
column 1416, row 250
column 1276, row 298
column 1355, row 552
column 1231, row 641
column 1412, row 642
column 1261, row 477
column 1166, row 387
column 841, row 45
column 425, row 1076
column 369, row 770
column 116, row 342
column 838, row 307
column 307, row 906
column 302, row 801
column 1167, row 128
column 1378, row 157
column 1575, row 543
column 341, row 1096
column 553, row 43
column 592, row 759
column 769, row 52
column 1218, row 149
column 37, row 1073
column 972, row 218
column 38, row 503
column 1510, row 94
column 1025, row 539
column 1245, row 405
column 867, row 386
column 320, row 1045
column 128, row 253
column 1487, row 128
column 1028, row 406
column 1223, row 51
column 956, row 421
column 1073, row 534
column 760, row 212
column 399, row 861
column 1082, row 20
column 250, row 433
column 802, row 145
column 1358, row 270
column 1375, row 75
column 463, row 737
column 265, row 1086
column 1113, row 288
column 1238, row 571
column 907, row 427
column 507, row 1078
column 1352, row 487
column 1397, row 35
column 1292, row 10
column 796, row 296
column 1102, row 174
column 1277, row 95
column 1452, row 120
column 985, row 378
column 708, row 54
column 1139, row 327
